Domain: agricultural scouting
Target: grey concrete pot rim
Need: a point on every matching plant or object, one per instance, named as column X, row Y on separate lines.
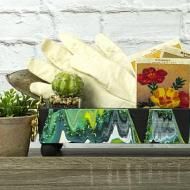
column 18, row 117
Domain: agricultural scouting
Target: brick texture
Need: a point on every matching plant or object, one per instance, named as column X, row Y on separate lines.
column 160, row 25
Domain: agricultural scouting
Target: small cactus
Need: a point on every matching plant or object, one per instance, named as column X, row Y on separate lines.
column 67, row 85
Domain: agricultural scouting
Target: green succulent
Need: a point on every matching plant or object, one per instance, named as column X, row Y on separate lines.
column 179, row 83
column 67, row 84
column 13, row 104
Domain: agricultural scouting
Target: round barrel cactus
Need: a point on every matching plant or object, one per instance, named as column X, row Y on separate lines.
column 67, row 84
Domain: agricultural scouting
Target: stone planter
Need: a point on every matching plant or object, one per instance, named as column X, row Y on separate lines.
column 15, row 133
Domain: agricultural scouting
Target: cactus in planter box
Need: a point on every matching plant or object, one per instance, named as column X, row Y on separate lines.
column 67, row 84
column 68, row 89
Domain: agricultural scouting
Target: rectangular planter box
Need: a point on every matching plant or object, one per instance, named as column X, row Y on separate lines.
column 114, row 126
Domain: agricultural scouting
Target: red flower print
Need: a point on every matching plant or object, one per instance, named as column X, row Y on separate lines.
column 151, row 76
column 184, row 99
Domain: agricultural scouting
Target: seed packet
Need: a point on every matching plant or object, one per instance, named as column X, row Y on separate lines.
column 172, row 52
column 154, row 52
column 163, row 83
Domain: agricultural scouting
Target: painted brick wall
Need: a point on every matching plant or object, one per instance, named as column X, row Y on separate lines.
column 133, row 24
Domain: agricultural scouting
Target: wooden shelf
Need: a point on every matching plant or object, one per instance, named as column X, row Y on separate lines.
column 92, row 172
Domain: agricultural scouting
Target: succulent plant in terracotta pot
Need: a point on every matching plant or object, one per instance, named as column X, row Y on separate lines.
column 17, row 111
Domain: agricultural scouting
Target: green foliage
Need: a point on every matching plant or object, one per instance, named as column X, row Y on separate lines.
column 165, row 115
column 179, row 82
column 67, row 84
column 145, row 104
column 153, row 87
column 13, row 104
column 117, row 141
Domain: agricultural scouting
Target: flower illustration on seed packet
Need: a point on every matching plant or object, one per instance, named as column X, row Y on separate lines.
column 162, row 97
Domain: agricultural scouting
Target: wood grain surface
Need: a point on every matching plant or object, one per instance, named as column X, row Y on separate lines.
column 92, row 172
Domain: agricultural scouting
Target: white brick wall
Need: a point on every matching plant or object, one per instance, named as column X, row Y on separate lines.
column 142, row 25
column 133, row 24
column 86, row 25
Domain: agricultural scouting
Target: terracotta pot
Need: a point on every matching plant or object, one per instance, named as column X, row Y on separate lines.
column 15, row 133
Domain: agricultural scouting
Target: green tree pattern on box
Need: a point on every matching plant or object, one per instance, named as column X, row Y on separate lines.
column 90, row 125
column 162, row 127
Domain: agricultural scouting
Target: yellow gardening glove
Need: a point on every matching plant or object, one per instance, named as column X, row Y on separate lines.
column 42, row 89
column 94, row 94
column 113, row 52
column 113, row 77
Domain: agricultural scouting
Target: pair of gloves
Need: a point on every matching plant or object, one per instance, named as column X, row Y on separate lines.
column 108, row 75
column 108, row 80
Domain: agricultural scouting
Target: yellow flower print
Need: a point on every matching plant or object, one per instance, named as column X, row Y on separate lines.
column 165, row 98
